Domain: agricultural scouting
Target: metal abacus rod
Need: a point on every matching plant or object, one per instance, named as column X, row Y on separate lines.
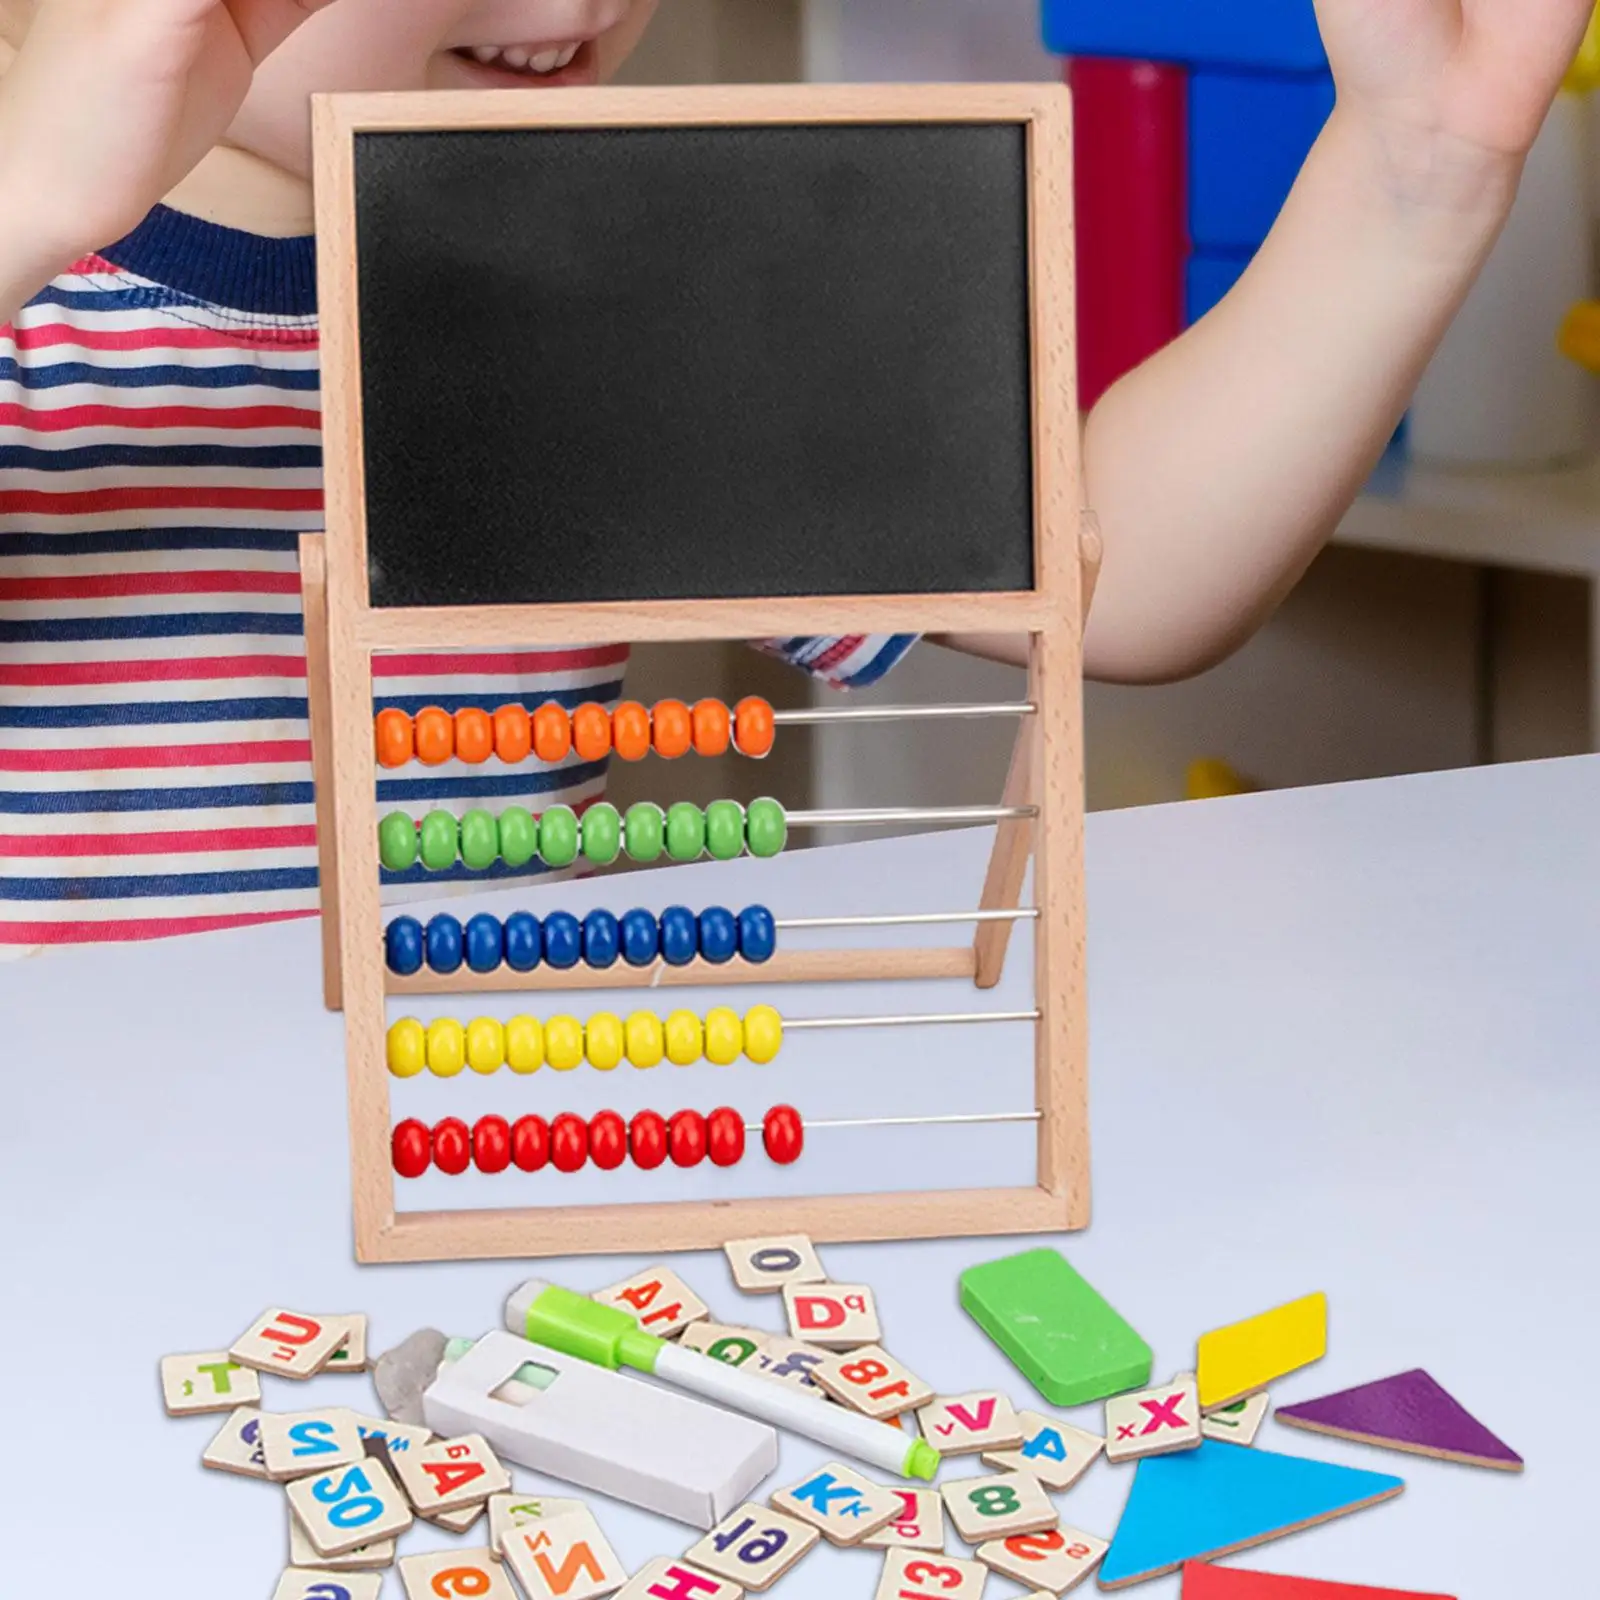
column 954, row 1119
column 862, row 714
column 907, row 1019
column 910, row 919
column 884, row 816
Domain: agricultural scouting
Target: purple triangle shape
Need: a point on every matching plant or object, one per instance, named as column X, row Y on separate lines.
column 1408, row 1411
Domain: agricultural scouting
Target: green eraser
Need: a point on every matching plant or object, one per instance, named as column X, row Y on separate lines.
column 1055, row 1327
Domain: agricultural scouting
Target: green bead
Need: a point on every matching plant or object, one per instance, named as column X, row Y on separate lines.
column 519, row 836
column 558, row 836
column 644, row 832
column 602, row 834
column 725, row 830
column 686, row 831
column 766, row 828
column 480, row 840
column 441, row 837
column 397, row 841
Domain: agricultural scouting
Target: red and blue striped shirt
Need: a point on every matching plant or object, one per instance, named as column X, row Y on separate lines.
column 159, row 457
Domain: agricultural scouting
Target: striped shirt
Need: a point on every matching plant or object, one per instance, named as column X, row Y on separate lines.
column 159, row 457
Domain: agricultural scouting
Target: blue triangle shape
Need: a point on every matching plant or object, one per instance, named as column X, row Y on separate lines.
column 1224, row 1497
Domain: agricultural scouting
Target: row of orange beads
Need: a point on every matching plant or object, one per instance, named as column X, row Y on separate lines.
column 671, row 729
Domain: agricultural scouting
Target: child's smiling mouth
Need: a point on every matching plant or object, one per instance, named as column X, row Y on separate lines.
column 522, row 66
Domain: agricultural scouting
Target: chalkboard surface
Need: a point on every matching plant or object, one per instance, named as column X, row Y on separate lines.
column 694, row 362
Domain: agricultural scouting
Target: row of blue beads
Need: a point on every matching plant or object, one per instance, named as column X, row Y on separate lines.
column 561, row 940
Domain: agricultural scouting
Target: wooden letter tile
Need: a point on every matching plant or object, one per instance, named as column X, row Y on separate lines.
column 997, row 1507
column 237, row 1446
column 563, row 1558
column 871, row 1381
column 289, row 1343
column 396, row 1438
column 840, row 1503
column 790, row 1361
column 1055, row 1452
column 351, row 1354
column 911, row 1575
column 209, row 1382
column 349, row 1507
column 307, row 1583
column 511, row 1510
column 455, row 1572
column 753, row 1546
column 964, row 1424
column 457, row 1521
column 732, row 1346
column 765, row 1266
column 364, row 1558
column 1053, row 1561
column 1156, row 1422
column 837, row 1316
column 666, row 1579
column 1238, row 1423
column 297, row 1444
column 450, row 1473
column 658, row 1300
column 917, row 1525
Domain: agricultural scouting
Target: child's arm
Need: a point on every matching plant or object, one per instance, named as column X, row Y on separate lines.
column 105, row 107
column 1221, row 466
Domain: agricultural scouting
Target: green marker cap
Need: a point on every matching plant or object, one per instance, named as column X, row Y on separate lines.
column 580, row 1327
column 922, row 1461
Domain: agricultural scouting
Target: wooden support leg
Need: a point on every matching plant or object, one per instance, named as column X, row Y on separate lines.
column 1013, row 843
column 319, row 693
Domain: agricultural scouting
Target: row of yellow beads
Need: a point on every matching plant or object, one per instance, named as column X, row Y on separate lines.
column 444, row 1047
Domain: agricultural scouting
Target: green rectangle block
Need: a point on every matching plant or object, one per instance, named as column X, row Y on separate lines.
column 1055, row 1327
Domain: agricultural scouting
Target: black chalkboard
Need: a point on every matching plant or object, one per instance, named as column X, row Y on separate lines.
column 692, row 362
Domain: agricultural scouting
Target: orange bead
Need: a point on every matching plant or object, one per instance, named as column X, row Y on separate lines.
column 591, row 732
column 474, row 735
column 552, row 732
column 393, row 730
column 752, row 726
column 670, row 729
column 513, row 734
column 435, row 735
column 712, row 728
column 630, row 731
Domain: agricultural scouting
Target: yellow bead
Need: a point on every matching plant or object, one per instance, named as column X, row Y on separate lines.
column 684, row 1038
column 602, row 1038
column 763, row 1034
column 407, row 1047
column 447, row 1047
column 724, row 1036
column 525, row 1044
column 486, row 1045
column 646, row 1039
column 563, row 1043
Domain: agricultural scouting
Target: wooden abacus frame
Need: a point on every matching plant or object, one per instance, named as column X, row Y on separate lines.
column 345, row 631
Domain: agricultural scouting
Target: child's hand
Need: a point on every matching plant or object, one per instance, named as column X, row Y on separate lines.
column 1476, row 74
column 110, row 102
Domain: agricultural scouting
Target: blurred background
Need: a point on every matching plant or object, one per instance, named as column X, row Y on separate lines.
column 1453, row 620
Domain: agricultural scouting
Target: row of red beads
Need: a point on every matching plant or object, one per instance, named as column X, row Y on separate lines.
column 569, row 1142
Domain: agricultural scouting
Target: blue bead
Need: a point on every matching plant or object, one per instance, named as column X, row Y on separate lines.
column 563, row 939
column 758, row 933
column 402, row 946
column 523, row 941
column 719, row 934
column 602, row 939
column 444, row 943
column 485, row 943
column 680, row 937
column 641, row 937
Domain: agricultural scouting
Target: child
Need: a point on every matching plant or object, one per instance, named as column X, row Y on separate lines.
column 158, row 412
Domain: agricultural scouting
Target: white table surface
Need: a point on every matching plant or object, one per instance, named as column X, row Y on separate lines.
column 1342, row 1039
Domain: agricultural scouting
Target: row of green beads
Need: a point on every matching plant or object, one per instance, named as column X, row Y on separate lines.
column 683, row 833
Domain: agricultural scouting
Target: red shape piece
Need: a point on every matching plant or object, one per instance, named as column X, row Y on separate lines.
column 569, row 1142
column 452, row 1146
column 1202, row 1581
column 411, row 1146
column 491, row 1144
column 725, row 1135
column 784, row 1134
column 530, row 1143
column 1130, row 157
column 647, row 1139
column 686, row 1138
column 608, row 1140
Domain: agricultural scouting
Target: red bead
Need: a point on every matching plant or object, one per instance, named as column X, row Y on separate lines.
column 412, row 1147
column 726, row 1130
column 647, row 1140
column 491, row 1144
column 686, row 1137
column 569, row 1142
column 530, row 1143
column 784, row 1134
column 452, row 1146
column 608, row 1140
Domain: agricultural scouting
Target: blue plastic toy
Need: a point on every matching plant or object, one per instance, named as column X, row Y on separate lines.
column 1263, row 35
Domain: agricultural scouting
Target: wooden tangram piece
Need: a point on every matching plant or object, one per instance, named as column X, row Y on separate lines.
column 1202, row 1581
column 1247, row 1356
column 1200, row 1504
